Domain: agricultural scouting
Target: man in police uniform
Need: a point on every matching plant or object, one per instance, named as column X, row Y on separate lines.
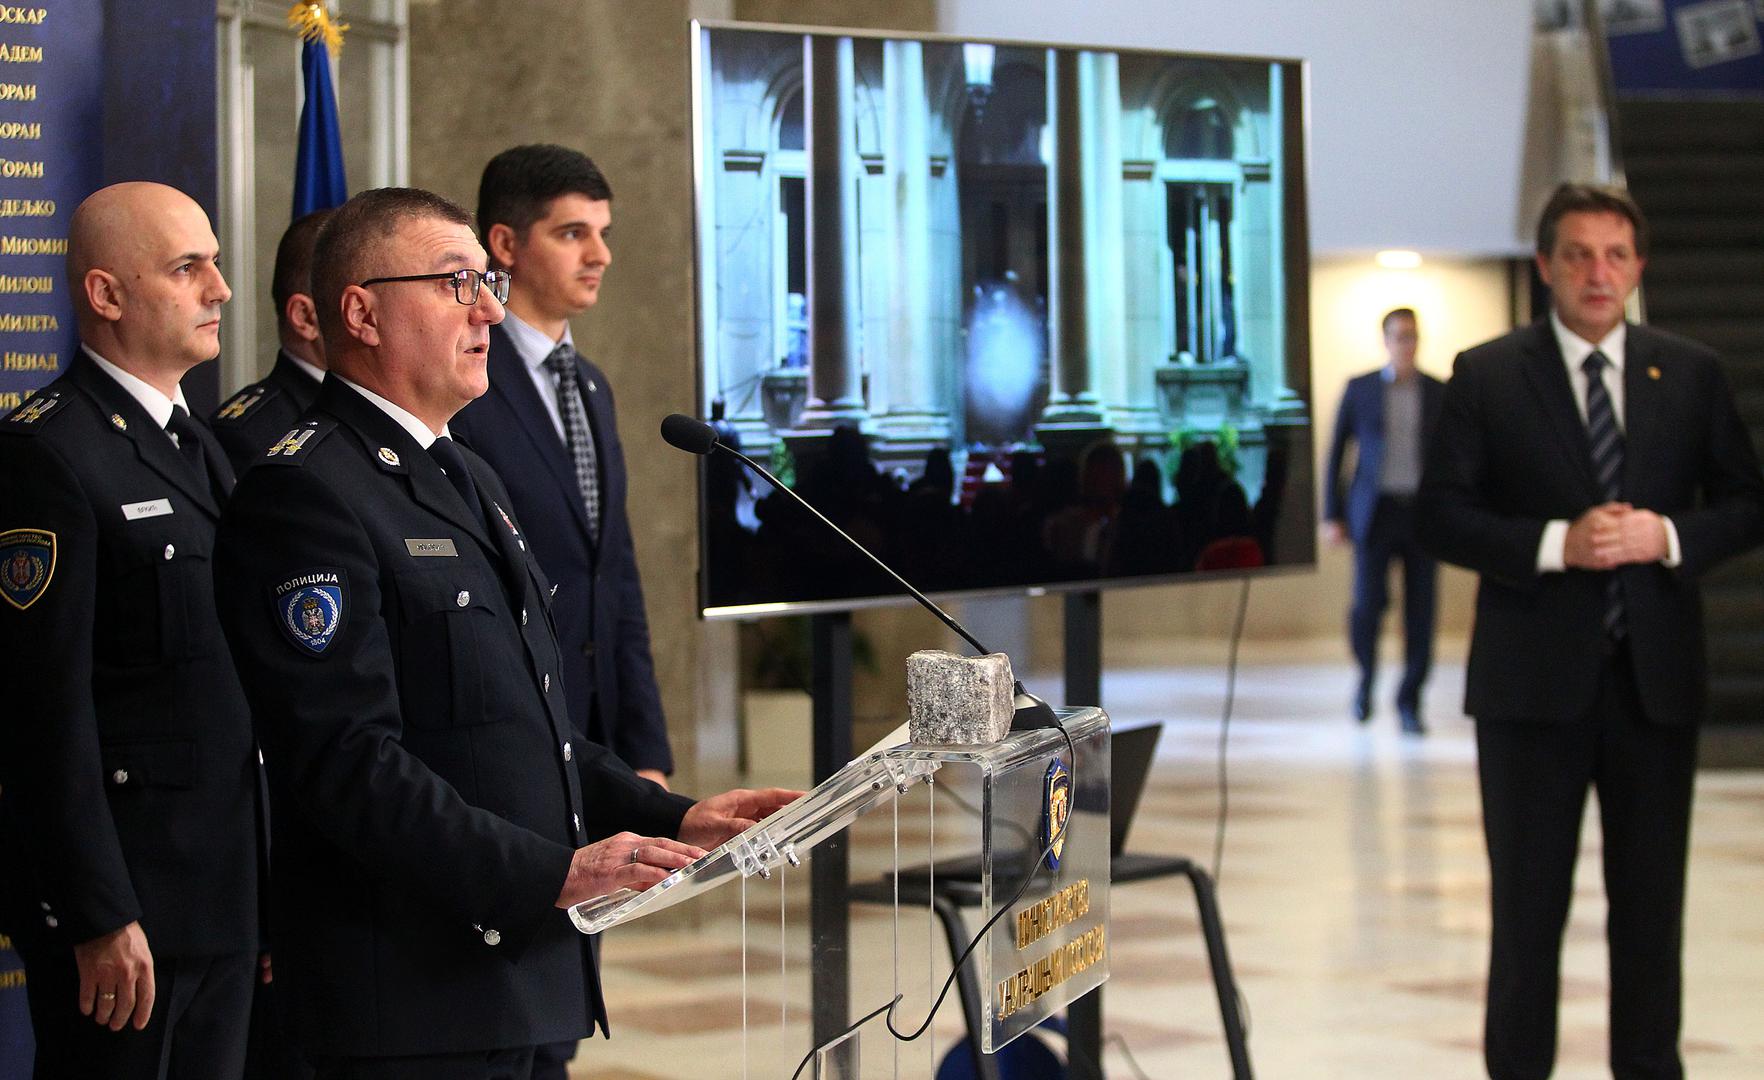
column 252, row 418
column 127, row 823
column 432, row 808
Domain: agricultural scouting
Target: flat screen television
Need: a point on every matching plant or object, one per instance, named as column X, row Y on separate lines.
column 1017, row 316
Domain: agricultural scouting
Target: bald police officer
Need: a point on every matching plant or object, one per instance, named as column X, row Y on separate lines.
column 126, row 762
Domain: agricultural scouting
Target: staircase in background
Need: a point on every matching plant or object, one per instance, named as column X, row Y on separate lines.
column 1697, row 169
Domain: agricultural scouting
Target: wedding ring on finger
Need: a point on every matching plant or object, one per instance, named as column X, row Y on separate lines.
column 107, row 995
column 634, row 854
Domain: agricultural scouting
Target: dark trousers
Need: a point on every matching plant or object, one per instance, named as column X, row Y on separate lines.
column 1534, row 778
column 515, row 1064
column 1392, row 536
column 201, row 1016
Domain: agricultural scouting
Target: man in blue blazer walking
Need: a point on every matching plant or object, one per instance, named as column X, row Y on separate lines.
column 1388, row 414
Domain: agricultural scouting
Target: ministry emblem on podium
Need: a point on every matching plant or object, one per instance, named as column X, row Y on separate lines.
column 1056, row 811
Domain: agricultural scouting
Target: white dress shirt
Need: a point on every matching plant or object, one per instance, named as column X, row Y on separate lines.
column 1552, row 547
column 533, row 346
column 406, row 420
column 158, row 406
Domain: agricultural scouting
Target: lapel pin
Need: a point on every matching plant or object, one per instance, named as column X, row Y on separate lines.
column 389, row 457
column 119, row 422
column 591, row 387
column 1654, row 373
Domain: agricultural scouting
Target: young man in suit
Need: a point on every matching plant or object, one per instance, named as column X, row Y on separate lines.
column 251, row 419
column 129, row 778
column 433, row 809
column 547, row 426
column 1388, row 415
column 1591, row 471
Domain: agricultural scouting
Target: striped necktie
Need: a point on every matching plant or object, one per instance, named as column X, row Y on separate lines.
column 1607, row 461
column 580, row 437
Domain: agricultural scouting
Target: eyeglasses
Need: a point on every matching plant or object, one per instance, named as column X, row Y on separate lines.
column 465, row 283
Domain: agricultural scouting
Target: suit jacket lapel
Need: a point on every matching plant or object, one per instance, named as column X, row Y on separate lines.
column 1641, row 407
column 510, row 380
column 152, row 445
column 1545, row 370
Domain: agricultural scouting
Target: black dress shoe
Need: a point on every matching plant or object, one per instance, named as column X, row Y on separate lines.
column 1362, row 707
column 1411, row 719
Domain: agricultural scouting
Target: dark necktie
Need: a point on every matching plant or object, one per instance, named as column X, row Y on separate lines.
column 446, row 454
column 562, row 364
column 189, row 443
column 1607, row 461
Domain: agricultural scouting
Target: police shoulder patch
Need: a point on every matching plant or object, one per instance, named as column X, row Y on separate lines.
column 27, row 565
column 309, row 608
column 292, row 448
column 245, row 402
column 28, row 418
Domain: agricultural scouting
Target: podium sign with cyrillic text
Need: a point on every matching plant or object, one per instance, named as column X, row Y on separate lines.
column 1052, row 945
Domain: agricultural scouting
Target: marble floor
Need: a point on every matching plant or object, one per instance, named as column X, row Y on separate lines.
column 1354, row 892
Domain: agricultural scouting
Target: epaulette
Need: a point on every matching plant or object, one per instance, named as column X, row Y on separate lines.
column 30, row 418
column 245, row 402
column 292, row 448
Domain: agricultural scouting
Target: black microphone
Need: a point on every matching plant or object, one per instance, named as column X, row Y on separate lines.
column 697, row 437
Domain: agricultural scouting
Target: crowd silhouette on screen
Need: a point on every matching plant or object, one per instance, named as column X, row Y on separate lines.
column 1021, row 518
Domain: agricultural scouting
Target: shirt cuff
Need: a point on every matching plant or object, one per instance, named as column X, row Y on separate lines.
column 1674, row 553
column 1552, row 548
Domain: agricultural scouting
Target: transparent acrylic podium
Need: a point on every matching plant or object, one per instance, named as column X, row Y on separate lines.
column 1047, row 949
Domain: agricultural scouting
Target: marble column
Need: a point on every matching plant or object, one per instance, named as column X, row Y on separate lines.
column 835, row 383
column 915, row 420
column 1075, row 414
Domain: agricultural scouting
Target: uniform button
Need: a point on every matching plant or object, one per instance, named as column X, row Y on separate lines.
column 577, row 818
column 566, row 751
column 44, row 904
column 51, row 921
column 523, row 616
column 120, row 776
column 492, row 937
column 463, row 598
column 547, row 684
column 170, row 550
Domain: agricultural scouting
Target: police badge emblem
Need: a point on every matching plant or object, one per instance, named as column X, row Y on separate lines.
column 27, row 563
column 309, row 609
column 1056, row 811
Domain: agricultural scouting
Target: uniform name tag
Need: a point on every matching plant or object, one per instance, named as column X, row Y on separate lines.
column 432, row 548
column 155, row 508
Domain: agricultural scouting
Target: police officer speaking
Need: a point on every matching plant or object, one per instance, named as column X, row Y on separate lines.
column 432, row 810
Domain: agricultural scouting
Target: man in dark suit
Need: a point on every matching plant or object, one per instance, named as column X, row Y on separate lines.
column 547, row 426
column 1590, row 471
column 1388, row 415
column 127, row 819
column 254, row 417
column 432, row 806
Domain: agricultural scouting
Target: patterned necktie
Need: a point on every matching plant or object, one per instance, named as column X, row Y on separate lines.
column 189, row 443
column 446, row 454
column 562, row 364
column 1607, row 460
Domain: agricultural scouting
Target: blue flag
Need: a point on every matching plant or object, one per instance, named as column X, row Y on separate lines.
column 318, row 165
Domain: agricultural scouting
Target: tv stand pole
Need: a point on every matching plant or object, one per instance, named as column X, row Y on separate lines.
column 1084, row 687
column 829, row 863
